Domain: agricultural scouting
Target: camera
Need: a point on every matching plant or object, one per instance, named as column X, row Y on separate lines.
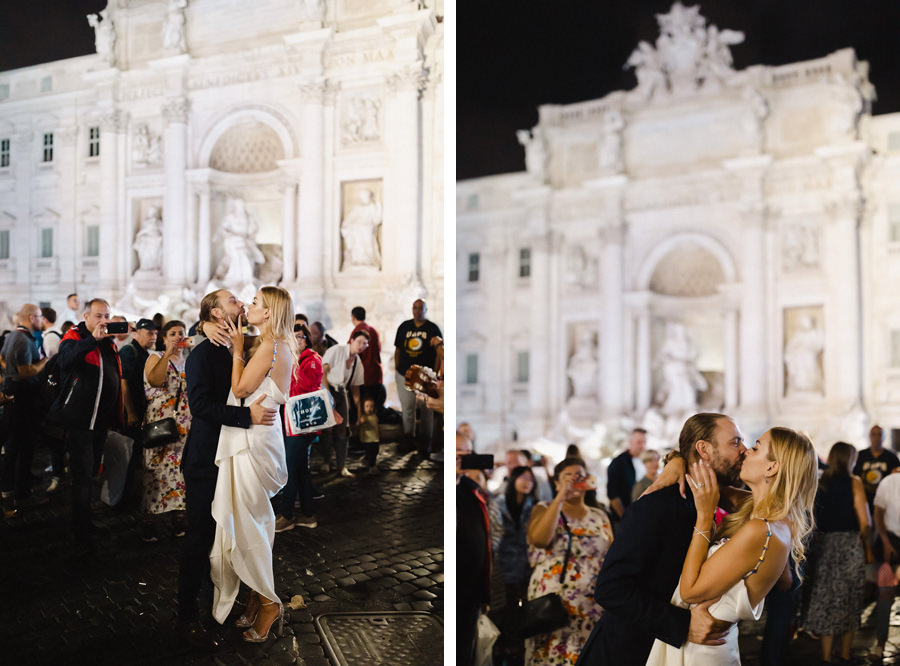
column 117, row 327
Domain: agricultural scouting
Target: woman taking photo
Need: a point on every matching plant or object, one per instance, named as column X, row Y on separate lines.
column 166, row 389
column 552, row 527
column 750, row 549
column 306, row 378
column 839, row 554
column 252, row 468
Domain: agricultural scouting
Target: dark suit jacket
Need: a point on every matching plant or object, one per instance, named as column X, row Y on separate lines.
column 637, row 580
column 620, row 478
column 208, row 370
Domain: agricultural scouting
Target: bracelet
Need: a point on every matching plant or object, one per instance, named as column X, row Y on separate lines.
column 703, row 533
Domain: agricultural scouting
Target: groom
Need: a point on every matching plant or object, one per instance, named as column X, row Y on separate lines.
column 643, row 565
column 208, row 370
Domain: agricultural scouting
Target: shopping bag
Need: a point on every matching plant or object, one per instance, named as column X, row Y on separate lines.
column 309, row 412
column 117, row 454
column 484, row 643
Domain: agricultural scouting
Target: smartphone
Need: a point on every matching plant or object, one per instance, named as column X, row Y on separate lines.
column 117, row 327
column 183, row 343
column 477, row 461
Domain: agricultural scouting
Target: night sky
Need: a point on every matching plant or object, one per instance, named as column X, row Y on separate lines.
column 514, row 56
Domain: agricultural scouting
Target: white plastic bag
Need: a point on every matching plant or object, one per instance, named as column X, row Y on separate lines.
column 484, row 643
column 117, row 454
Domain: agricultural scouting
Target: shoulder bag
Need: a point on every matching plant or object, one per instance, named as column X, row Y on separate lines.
column 164, row 431
column 547, row 613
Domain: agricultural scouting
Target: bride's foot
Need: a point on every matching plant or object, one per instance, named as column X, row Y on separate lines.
column 269, row 613
column 248, row 617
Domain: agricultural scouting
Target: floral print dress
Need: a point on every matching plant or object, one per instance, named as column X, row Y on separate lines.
column 163, row 480
column 591, row 537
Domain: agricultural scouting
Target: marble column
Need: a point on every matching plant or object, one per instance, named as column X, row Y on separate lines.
column 288, row 231
column 731, row 359
column 403, row 191
column 753, row 384
column 612, row 326
column 71, row 223
column 643, row 380
column 175, row 197
column 204, row 235
column 112, row 124
column 311, row 223
column 542, row 248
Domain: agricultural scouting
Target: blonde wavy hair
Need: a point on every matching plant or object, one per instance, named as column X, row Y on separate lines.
column 280, row 325
column 791, row 493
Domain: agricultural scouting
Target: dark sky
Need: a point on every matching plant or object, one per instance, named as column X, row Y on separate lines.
column 36, row 31
column 513, row 56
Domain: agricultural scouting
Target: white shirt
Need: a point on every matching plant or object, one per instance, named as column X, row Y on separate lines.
column 888, row 498
column 338, row 372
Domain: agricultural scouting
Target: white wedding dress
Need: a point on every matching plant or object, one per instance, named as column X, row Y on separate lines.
column 734, row 606
column 252, row 469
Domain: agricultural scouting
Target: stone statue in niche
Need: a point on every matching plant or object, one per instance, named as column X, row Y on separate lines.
column 681, row 378
column 801, row 245
column 610, row 146
column 173, row 26
column 359, row 230
column 801, row 358
column 146, row 147
column 362, row 120
column 535, row 153
column 104, row 35
column 241, row 253
column 148, row 241
column 582, row 367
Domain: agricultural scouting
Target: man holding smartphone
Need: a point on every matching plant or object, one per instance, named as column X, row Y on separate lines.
column 89, row 404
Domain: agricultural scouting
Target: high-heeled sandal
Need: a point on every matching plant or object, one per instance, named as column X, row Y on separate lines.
column 252, row 636
column 245, row 621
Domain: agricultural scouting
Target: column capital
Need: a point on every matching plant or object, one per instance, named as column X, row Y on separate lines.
column 847, row 205
column 613, row 233
column 114, row 120
column 314, row 90
column 411, row 78
column 177, row 110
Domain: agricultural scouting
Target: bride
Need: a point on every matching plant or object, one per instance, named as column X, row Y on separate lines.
column 750, row 549
column 252, row 469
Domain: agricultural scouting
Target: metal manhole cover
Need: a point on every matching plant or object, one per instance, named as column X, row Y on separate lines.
column 398, row 638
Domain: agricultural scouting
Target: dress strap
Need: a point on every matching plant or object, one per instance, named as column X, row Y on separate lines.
column 765, row 549
column 274, row 354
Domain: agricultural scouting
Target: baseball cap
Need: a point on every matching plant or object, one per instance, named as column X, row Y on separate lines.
column 145, row 324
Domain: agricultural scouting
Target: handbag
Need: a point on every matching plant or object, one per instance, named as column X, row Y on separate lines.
column 547, row 612
column 164, row 431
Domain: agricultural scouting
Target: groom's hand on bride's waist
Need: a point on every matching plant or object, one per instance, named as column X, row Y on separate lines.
column 260, row 415
column 704, row 628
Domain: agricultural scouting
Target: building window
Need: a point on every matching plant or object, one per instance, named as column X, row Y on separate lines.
column 474, row 261
column 472, row 202
column 525, row 262
column 48, row 147
column 46, row 243
column 471, row 368
column 47, row 84
column 93, row 240
column 894, row 223
column 522, row 367
column 894, row 142
column 4, row 152
column 94, row 142
column 895, row 348
column 4, row 243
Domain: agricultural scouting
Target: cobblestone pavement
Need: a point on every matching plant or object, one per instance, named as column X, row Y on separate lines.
column 378, row 547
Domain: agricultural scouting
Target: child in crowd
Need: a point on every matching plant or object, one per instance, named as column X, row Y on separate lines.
column 369, row 434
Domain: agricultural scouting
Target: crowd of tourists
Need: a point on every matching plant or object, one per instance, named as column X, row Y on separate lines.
column 680, row 552
column 184, row 425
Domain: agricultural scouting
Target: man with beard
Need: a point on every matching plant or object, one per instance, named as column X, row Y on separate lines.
column 208, row 371
column 643, row 565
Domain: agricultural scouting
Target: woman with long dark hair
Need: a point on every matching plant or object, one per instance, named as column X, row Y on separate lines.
column 839, row 552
